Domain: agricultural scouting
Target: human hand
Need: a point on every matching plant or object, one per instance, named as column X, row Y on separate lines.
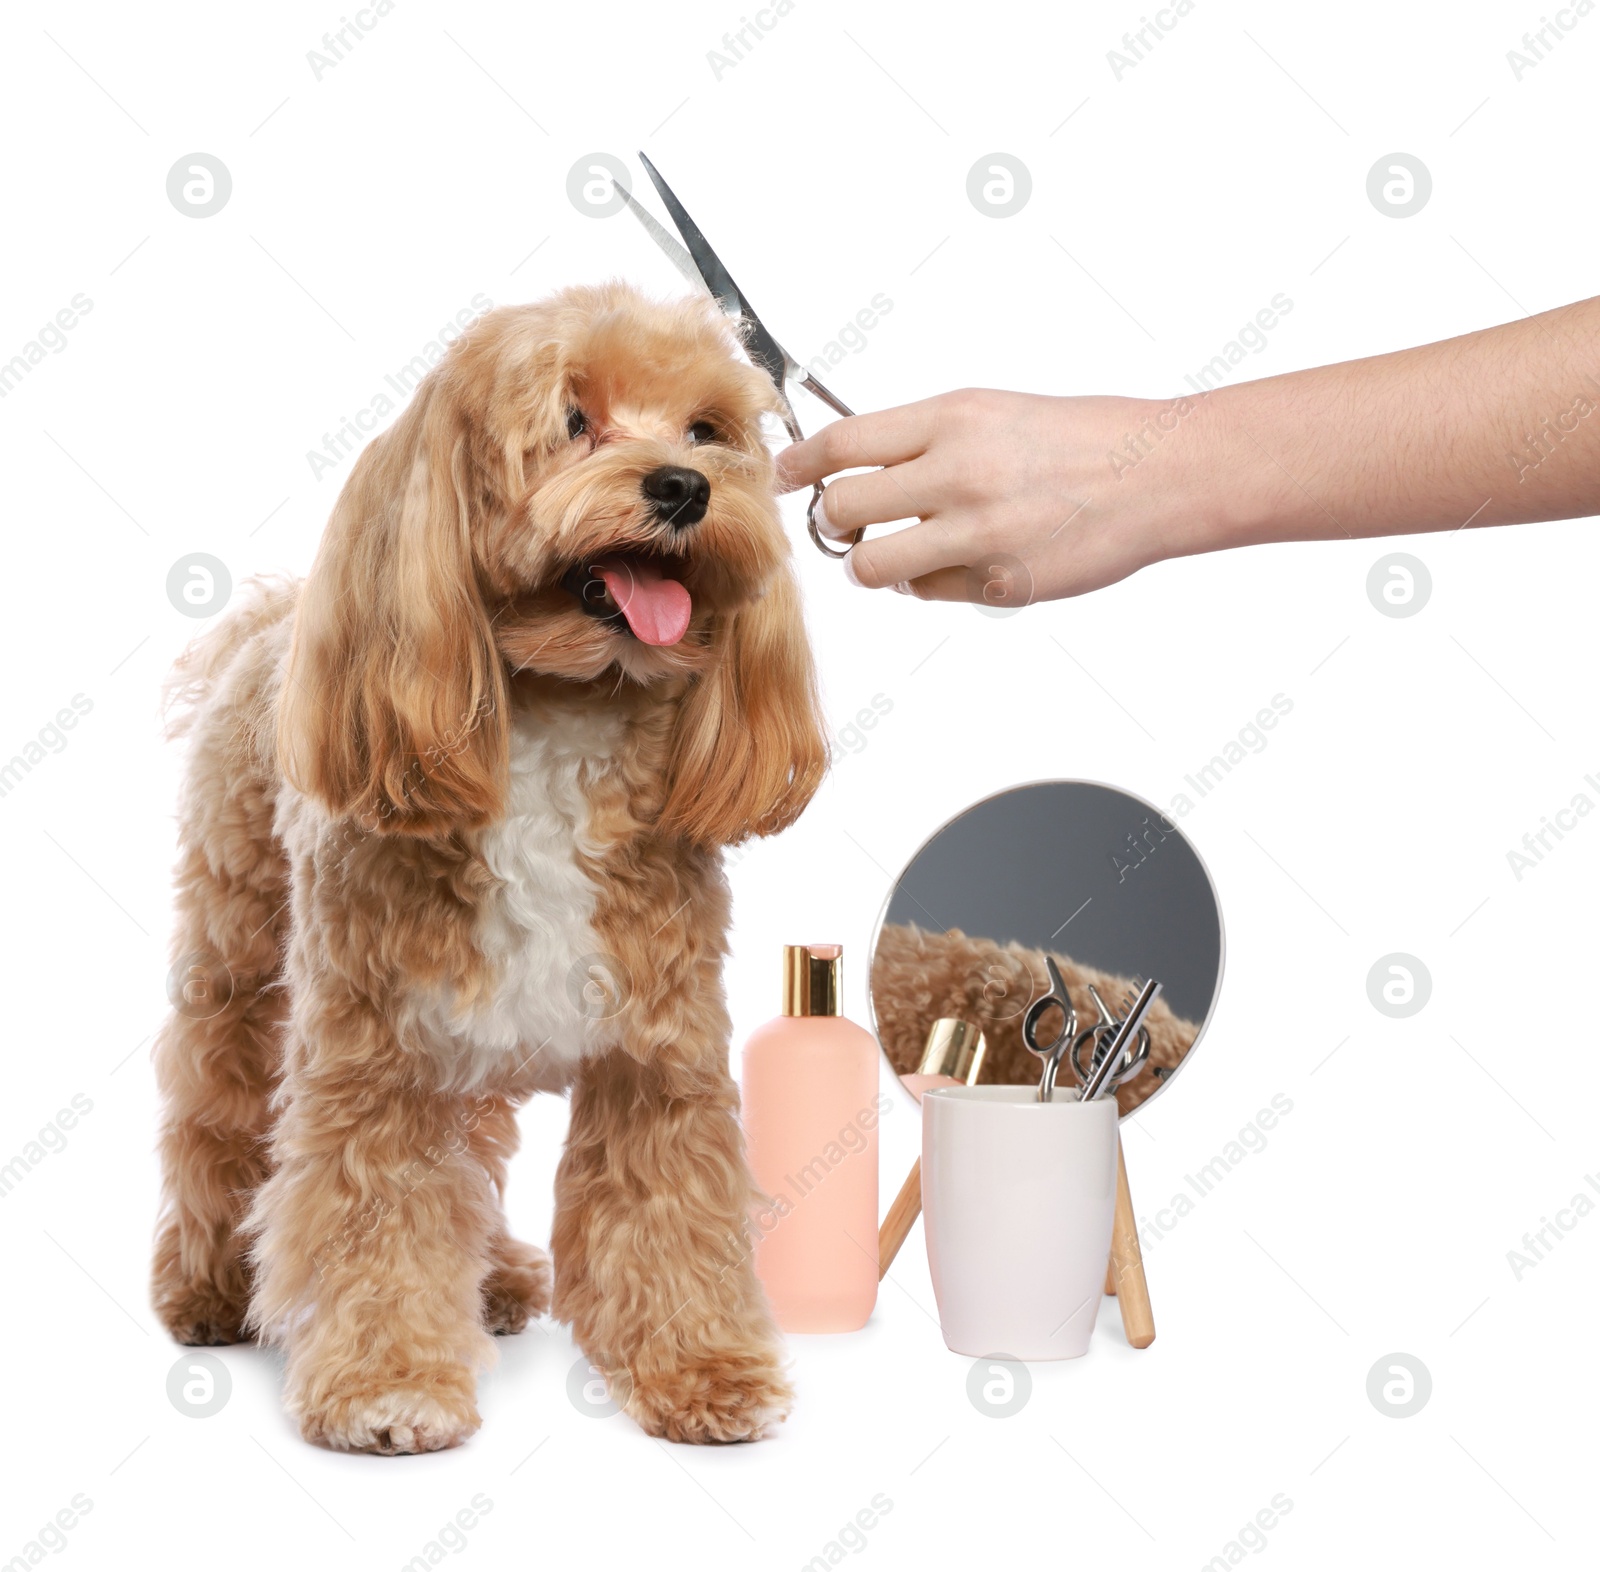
column 1018, row 497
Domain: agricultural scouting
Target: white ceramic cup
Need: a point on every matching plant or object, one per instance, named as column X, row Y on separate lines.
column 1017, row 1197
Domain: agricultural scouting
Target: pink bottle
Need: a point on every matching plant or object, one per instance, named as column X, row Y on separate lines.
column 811, row 1113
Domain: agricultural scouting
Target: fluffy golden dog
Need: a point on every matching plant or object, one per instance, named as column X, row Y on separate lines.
column 451, row 835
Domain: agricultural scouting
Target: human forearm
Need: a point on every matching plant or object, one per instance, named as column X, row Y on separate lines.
column 1496, row 427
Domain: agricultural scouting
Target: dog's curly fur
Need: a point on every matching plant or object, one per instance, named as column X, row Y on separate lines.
column 449, row 838
column 919, row 977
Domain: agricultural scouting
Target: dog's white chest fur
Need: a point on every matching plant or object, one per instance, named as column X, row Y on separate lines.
column 535, row 930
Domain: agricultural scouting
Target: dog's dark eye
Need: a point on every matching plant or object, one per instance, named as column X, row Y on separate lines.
column 703, row 431
column 577, row 423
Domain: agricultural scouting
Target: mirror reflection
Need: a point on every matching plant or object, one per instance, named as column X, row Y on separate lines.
column 1086, row 874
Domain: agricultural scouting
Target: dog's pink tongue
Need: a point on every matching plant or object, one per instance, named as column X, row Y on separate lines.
column 657, row 608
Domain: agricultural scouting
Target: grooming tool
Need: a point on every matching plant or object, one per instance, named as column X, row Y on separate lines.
column 1100, row 1039
column 703, row 268
column 953, row 1057
column 1121, row 1049
column 1122, row 1055
column 1052, row 1051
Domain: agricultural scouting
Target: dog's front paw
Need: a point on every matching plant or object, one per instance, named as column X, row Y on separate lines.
column 202, row 1316
column 517, row 1289
column 726, row 1397
column 424, row 1415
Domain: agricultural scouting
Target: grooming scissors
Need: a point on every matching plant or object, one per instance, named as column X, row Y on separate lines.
column 1120, row 1046
column 703, row 268
column 1051, row 1052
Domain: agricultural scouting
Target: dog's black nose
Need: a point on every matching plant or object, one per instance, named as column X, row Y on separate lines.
column 679, row 496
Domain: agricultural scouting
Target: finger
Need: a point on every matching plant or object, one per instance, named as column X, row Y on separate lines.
column 941, row 584
column 887, row 436
column 879, row 497
column 993, row 580
column 910, row 553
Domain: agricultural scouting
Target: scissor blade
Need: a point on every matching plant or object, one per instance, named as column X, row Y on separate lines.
column 763, row 348
column 670, row 246
column 713, row 275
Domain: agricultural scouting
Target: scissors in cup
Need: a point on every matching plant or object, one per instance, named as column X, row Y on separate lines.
column 703, row 268
column 1120, row 1044
column 1051, row 1052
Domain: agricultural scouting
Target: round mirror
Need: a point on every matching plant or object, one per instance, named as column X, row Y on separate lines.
column 1093, row 877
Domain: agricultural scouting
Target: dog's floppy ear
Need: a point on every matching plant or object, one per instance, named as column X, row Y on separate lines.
column 394, row 704
column 748, row 750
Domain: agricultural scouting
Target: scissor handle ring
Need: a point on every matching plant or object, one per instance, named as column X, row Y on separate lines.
column 816, row 535
column 1087, row 1035
column 1030, row 1026
column 1132, row 1062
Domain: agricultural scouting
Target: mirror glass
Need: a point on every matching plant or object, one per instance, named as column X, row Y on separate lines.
column 1092, row 875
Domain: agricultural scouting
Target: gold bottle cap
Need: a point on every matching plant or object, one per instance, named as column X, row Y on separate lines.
column 955, row 1048
column 811, row 978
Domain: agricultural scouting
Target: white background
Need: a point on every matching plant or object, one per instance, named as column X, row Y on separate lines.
column 829, row 166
